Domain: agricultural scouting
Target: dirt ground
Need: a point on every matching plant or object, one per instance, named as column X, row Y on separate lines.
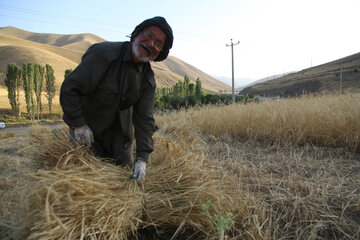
column 16, row 163
column 338, row 168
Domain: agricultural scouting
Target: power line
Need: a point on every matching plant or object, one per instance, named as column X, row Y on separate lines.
column 63, row 24
column 55, row 15
column 180, row 35
column 34, row 15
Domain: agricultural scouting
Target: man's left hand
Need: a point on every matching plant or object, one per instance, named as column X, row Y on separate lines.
column 139, row 171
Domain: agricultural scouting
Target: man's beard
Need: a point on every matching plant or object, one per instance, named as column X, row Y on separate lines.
column 137, row 53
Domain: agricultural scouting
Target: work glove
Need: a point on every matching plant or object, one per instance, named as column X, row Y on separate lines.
column 84, row 136
column 139, row 171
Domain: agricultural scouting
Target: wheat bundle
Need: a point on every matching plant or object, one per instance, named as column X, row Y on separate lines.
column 178, row 185
column 80, row 196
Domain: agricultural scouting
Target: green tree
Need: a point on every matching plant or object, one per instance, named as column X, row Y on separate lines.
column 67, row 73
column 13, row 84
column 158, row 92
column 198, row 89
column 176, row 102
column 165, row 100
column 28, row 85
column 191, row 89
column 38, row 83
column 158, row 102
column 31, row 78
column 186, row 85
column 165, row 91
column 49, row 85
column 178, row 89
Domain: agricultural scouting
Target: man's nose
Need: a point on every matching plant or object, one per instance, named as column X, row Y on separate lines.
column 152, row 43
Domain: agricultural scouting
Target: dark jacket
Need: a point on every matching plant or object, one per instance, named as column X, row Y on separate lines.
column 105, row 82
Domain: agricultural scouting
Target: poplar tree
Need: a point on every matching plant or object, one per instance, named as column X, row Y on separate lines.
column 50, row 85
column 186, row 85
column 28, row 85
column 198, row 89
column 158, row 92
column 67, row 73
column 38, row 83
column 179, row 89
column 191, row 89
column 30, row 74
column 165, row 91
column 13, row 84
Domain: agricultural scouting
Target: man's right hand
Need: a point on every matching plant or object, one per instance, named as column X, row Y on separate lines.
column 139, row 171
column 84, row 136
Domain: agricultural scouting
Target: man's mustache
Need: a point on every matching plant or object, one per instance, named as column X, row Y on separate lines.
column 147, row 48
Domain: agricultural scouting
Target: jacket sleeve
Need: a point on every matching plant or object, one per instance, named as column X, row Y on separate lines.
column 143, row 120
column 82, row 82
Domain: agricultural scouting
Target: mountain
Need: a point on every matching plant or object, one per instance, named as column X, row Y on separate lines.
column 181, row 68
column 238, row 81
column 324, row 77
column 65, row 51
column 261, row 80
column 77, row 42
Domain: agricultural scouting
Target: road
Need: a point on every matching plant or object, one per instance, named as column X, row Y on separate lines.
column 23, row 129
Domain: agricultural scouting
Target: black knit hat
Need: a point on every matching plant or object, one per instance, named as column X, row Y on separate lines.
column 161, row 23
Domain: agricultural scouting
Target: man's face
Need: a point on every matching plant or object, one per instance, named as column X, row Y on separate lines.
column 148, row 44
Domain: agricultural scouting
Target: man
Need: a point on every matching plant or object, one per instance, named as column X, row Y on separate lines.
column 112, row 91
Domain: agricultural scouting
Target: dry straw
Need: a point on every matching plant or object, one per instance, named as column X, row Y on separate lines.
column 78, row 196
column 327, row 120
column 296, row 193
column 306, row 190
column 7, row 135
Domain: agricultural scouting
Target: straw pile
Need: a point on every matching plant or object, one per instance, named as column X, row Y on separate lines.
column 78, row 196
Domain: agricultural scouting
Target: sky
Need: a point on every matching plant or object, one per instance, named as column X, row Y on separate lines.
column 275, row 36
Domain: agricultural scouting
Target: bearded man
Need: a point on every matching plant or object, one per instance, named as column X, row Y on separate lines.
column 112, row 92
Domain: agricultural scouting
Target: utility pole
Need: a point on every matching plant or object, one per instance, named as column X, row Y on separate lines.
column 341, row 78
column 232, row 61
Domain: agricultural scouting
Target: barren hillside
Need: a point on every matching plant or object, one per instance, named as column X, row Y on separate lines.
column 29, row 54
column 182, row 68
column 312, row 80
column 77, row 42
column 64, row 51
column 16, row 50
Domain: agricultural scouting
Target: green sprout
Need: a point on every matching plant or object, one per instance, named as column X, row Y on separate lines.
column 222, row 222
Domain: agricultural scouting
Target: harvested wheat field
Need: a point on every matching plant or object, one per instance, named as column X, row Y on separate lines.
column 288, row 169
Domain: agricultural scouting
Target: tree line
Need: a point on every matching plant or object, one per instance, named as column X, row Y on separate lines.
column 33, row 78
column 186, row 94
